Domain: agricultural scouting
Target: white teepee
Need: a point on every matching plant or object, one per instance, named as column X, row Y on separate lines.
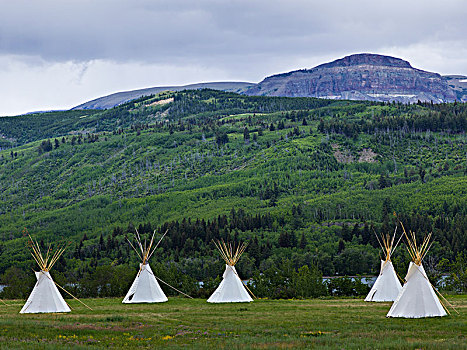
column 417, row 298
column 231, row 289
column 387, row 285
column 45, row 296
column 145, row 288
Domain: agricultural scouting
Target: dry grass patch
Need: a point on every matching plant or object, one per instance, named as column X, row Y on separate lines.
column 161, row 102
column 343, row 156
column 367, row 156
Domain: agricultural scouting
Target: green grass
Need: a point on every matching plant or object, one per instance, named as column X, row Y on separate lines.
column 183, row 323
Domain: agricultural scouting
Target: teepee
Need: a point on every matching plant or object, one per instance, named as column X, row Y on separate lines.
column 45, row 296
column 417, row 298
column 387, row 285
column 231, row 289
column 145, row 288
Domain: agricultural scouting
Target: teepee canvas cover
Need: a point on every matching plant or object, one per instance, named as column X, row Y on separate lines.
column 231, row 289
column 417, row 298
column 45, row 296
column 145, row 288
column 387, row 285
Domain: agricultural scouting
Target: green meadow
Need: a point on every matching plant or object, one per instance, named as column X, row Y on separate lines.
column 186, row 323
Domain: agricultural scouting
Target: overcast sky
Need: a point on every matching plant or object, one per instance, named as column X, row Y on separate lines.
column 56, row 54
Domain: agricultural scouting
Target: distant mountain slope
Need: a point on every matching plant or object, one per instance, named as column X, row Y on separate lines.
column 125, row 96
column 360, row 77
column 364, row 76
column 458, row 83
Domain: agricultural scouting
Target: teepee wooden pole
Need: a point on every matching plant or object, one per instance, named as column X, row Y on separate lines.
column 380, row 244
column 397, row 244
column 235, row 272
column 441, row 295
column 134, row 248
column 160, row 240
column 138, row 240
column 171, row 286
column 59, row 286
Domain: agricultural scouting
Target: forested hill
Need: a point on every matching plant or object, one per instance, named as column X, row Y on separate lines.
column 300, row 178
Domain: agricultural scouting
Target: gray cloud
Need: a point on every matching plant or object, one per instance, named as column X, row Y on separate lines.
column 240, row 40
column 158, row 31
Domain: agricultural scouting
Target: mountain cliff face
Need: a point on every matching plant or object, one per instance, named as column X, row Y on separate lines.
column 458, row 83
column 360, row 77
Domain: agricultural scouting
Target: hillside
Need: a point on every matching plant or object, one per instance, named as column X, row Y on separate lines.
column 299, row 178
column 360, row 77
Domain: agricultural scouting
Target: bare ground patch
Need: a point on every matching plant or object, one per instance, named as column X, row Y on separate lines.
column 161, row 102
column 367, row 156
column 343, row 156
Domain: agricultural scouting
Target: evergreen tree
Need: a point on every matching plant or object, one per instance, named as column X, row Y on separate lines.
column 246, row 134
column 341, row 246
column 422, row 173
column 345, row 233
column 284, row 240
column 303, row 241
column 383, row 182
column 355, row 231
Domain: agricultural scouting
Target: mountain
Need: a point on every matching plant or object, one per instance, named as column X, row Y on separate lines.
column 360, row 77
column 458, row 83
column 125, row 96
column 368, row 77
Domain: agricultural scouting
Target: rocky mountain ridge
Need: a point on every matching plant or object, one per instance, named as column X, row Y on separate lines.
column 364, row 76
column 360, row 77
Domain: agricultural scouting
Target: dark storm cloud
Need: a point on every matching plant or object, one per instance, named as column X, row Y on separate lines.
column 206, row 31
column 60, row 53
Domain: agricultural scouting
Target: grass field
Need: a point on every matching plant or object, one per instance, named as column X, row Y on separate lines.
column 183, row 323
